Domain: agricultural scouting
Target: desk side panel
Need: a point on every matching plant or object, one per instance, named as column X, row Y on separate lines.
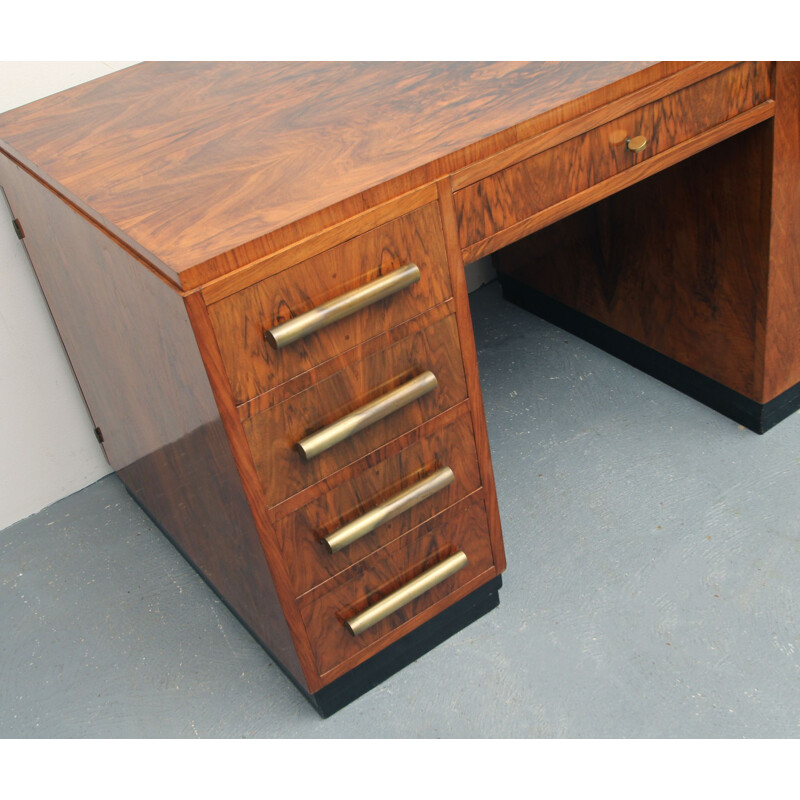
column 782, row 344
column 134, row 354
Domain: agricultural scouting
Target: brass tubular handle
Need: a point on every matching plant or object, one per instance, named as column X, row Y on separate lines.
column 342, row 306
column 363, row 417
column 405, row 594
column 402, row 501
column 636, row 144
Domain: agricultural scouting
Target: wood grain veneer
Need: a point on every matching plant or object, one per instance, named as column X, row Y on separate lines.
column 469, row 357
column 781, row 339
column 175, row 211
column 209, row 352
column 266, row 154
column 333, row 365
column 694, row 298
column 619, row 181
column 727, row 281
column 132, row 348
column 529, row 187
column 372, row 459
column 300, row 533
column 316, row 243
column 241, row 319
column 461, row 528
column 557, row 134
column 274, row 433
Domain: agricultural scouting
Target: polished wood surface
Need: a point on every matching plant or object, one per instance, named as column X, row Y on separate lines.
column 283, row 595
column 251, row 157
column 375, row 345
column 241, row 319
column 274, row 433
column 133, row 351
column 529, row 187
column 469, row 357
column 560, row 133
column 460, row 528
column 201, row 204
column 300, row 533
column 363, row 222
column 780, row 331
column 693, row 298
column 351, row 472
column 619, row 181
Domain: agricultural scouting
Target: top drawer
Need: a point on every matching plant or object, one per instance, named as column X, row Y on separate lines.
column 506, row 198
column 242, row 319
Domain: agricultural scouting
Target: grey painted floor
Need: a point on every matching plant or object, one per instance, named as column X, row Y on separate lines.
column 653, row 587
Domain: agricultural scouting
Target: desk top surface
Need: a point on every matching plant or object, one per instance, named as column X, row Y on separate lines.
column 190, row 161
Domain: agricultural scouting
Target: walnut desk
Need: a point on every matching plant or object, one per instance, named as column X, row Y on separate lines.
column 257, row 274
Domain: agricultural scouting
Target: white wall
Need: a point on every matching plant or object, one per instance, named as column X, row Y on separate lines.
column 47, row 446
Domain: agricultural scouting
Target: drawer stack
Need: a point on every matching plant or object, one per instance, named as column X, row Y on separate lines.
column 347, row 373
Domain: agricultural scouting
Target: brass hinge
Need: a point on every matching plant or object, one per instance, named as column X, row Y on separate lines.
column 99, row 434
column 18, row 228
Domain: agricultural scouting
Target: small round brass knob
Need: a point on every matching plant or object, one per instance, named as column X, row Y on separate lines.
column 636, row 144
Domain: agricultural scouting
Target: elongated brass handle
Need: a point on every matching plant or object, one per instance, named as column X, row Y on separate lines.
column 342, row 306
column 363, row 417
column 405, row 594
column 402, row 501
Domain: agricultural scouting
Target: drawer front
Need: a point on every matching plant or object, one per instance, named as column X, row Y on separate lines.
column 500, row 201
column 274, row 434
column 302, row 535
column 242, row 320
column 461, row 529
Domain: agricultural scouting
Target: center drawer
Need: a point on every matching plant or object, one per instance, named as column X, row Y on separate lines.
column 429, row 359
column 369, row 280
column 519, row 192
